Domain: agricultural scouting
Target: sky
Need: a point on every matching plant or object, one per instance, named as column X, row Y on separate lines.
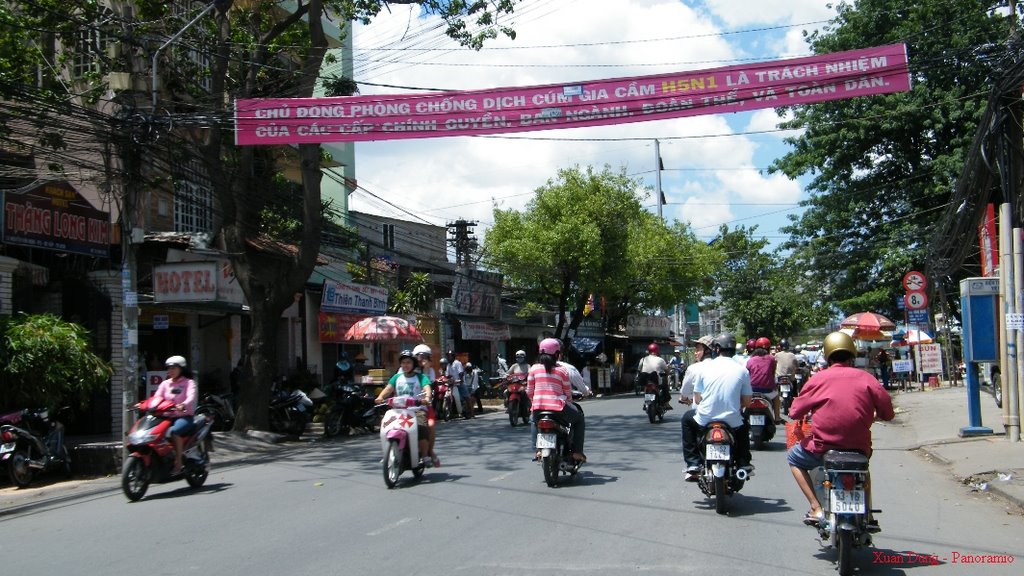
column 715, row 165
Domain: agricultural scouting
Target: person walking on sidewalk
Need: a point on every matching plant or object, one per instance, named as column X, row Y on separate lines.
column 845, row 402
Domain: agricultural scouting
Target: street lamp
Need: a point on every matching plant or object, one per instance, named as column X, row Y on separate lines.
column 223, row 4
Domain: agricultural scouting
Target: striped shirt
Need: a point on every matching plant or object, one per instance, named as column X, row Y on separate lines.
column 548, row 391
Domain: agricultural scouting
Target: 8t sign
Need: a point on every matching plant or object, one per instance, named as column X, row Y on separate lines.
column 916, row 300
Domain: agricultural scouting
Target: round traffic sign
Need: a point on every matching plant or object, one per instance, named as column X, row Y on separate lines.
column 914, row 281
column 916, row 300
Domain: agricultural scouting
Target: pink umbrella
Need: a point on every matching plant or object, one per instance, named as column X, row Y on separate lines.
column 383, row 329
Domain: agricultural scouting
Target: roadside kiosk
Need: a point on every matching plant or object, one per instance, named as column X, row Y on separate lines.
column 978, row 302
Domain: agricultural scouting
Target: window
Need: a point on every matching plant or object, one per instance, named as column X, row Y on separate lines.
column 198, row 56
column 92, row 41
column 193, row 198
column 388, row 234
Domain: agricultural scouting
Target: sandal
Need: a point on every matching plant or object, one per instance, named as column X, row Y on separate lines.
column 536, row 457
column 812, row 519
column 579, row 457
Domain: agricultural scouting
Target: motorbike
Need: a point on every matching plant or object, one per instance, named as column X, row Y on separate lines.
column 32, row 442
column 352, row 409
column 219, row 408
column 761, row 421
column 787, row 391
column 290, row 412
column 653, row 405
column 151, row 452
column 399, row 440
column 841, row 490
column 721, row 476
column 445, row 399
column 517, row 404
column 554, row 441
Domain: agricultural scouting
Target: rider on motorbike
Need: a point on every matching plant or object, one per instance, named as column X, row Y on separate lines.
column 180, row 389
column 762, row 374
column 549, row 390
column 786, row 364
column 653, row 366
column 411, row 382
column 521, row 366
column 721, row 393
column 423, row 355
column 845, row 401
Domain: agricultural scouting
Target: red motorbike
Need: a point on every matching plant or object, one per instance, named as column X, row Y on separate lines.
column 517, row 404
column 444, row 399
column 151, row 452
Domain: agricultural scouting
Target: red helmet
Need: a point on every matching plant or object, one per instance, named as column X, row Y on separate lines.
column 750, row 345
column 763, row 342
column 653, row 348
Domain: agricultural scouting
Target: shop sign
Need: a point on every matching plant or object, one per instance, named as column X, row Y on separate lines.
column 354, row 298
column 332, row 325
column 929, row 358
column 228, row 288
column 648, row 326
column 54, row 216
column 476, row 293
column 487, row 331
column 185, row 282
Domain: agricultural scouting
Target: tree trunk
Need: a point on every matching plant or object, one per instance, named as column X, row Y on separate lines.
column 261, row 350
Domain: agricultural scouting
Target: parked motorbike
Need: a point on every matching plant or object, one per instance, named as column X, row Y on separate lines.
column 721, row 476
column 290, row 412
column 32, row 442
column 554, row 441
column 352, row 409
column 445, row 399
column 517, row 404
column 399, row 440
column 761, row 421
column 219, row 409
column 841, row 488
column 151, row 452
column 653, row 406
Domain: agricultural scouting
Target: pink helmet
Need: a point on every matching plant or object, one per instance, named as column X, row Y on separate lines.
column 550, row 346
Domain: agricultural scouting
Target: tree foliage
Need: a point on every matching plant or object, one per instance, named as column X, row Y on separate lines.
column 882, row 166
column 47, row 362
column 585, row 233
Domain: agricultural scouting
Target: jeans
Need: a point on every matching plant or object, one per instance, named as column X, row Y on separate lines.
column 570, row 415
column 692, row 431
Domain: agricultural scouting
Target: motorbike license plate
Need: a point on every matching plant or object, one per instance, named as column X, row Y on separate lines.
column 546, row 440
column 9, row 447
column 649, row 397
column 847, row 501
column 716, row 452
column 785, row 387
column 757, row 419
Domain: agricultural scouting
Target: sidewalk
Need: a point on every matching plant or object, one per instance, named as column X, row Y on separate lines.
column 931, row 420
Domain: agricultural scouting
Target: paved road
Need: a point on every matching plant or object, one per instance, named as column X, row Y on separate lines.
column 324, row 509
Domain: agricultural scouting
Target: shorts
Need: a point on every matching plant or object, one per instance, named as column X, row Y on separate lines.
column 182, row 426
column 803, row 459
column 769, row 395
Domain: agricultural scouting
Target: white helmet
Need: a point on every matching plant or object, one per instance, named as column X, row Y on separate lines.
column 178, row 361
column 521, row 353
column 422, row 349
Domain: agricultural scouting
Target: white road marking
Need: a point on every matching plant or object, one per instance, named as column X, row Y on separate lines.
column 389, row 527
column 502, row 477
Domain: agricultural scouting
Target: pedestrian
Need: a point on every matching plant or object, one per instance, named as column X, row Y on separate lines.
column 473, row 383
column 883, row 367
column 502, row 365
column 457, row 375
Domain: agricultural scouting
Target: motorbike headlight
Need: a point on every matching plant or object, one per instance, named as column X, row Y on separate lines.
column 141, row 437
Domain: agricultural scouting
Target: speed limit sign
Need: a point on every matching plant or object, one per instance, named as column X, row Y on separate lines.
column 916, row 300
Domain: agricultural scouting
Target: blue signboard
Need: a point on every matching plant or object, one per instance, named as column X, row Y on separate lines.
column 917, row 317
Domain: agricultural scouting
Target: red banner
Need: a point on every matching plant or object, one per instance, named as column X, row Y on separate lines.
column 333, row 325
column 273, row 121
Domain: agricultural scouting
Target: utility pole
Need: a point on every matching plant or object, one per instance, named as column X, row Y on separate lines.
column 463, row 241
column 658, row 167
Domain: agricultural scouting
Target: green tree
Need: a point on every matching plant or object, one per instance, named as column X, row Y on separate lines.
column 760, row 295
column 882, row 166
column 415, row 296
column 585, row 232
column 46, row 361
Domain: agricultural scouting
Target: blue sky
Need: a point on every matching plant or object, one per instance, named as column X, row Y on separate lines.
column 714, row 165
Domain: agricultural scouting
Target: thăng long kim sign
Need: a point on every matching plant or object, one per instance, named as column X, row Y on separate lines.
column 840, row 75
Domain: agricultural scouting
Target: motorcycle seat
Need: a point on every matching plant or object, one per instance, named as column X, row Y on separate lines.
column 845, row 460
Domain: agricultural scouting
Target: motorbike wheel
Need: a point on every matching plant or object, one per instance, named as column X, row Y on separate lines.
column 392, row 464
column 196, row 475
column 513, row 412
column 135, row 478
column 448, row 409
column 550, row 465
column 652, row 412
column 845, row 544
column 720, row 495
column 277, row 424
column 19, row 471
column 332, row 426
column 759, row 442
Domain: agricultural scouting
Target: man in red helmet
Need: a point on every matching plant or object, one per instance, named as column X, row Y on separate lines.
column 653, row 368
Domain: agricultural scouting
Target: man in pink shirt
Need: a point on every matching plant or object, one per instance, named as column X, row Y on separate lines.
column 845, row 402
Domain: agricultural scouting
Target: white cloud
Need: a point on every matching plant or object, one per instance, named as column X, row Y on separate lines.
column 745, row 13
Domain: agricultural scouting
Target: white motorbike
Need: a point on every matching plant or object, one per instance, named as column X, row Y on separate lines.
column 399, row 440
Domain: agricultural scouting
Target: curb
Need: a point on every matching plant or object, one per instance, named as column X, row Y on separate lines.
column 993, row 489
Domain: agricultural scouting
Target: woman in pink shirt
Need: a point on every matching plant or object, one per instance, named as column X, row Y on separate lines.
column 180, row 389
column 549, row 390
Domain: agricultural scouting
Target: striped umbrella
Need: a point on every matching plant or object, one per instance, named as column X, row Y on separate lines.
column 383, row 329
column 868, row 322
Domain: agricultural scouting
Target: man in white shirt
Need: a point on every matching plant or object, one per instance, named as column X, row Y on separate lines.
column 456, row 375
column 576, row 379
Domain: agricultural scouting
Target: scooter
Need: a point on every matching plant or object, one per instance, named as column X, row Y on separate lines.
column 841, row 490
column 352, row 409
column 787, row 391
column 761, row 421
column 399, row 440
column 517, row 404
column 151, row 452
column 445, row 399
column 219, row 408
column 290, row 412
column 721, row 476
column 32, row 442
column 554, row 441
column 653, row 406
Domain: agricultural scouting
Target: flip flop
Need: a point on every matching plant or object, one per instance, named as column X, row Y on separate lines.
column 579, row 457
column 811, row 519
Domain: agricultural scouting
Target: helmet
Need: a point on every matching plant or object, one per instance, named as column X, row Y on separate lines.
column 422, row 349
column 406, row 354
column 550, row 346
column 178, row 361
column 652, row 348
column 444, row 361
column 750, row 345
column 784, row 344
column 469, row 365
column 705, row 341
column 763, row 342
column 521, row 353
column 725, row 341
column 839, row 342
column 342, row 365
